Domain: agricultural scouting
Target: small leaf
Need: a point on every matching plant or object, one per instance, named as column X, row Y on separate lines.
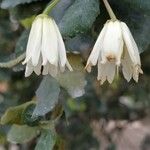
column 47, row 96
column 73, row 82
column 12, row 3
column 13, row 114
column 28, row 118
column 22, row 134
column 60, row 9
column 47, row 140
column 22, row 42
column 79, row 17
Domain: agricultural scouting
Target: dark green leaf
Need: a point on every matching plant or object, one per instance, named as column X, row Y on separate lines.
column 80, row 44
column 14, row 114
column 28, row 118
column 79, row 17
column 60, row 9
column 22, row 42
column 47, row 140
column 47, row 96
column 22, row 134
column 12, row 3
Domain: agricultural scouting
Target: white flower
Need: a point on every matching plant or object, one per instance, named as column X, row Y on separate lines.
column 115, row 46
column 45, row 51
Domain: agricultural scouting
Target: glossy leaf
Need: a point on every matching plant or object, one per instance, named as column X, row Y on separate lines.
column 47, row 140
column 22, row 134
column 13, row 115
column 47, row 96
column 79, row 17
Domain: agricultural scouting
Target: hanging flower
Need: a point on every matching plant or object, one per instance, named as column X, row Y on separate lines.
column 45, row 51
column 115, row 46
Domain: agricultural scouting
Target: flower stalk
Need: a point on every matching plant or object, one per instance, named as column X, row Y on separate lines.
column 109, row 10
column 50, row 7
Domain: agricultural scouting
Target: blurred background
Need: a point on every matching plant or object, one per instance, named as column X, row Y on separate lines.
column 84, row 115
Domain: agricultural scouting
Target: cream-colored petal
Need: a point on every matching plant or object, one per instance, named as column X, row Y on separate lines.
column 112, row 47
column 93, row 58
column 53, row 70
column 50, row 69
column 131, row 44
column 29, row 69
column 106, row 72
column 37, row 68
column 61, row 47
column 34, row 42
column 127, row 65
column 136, row 71
column 49, row 42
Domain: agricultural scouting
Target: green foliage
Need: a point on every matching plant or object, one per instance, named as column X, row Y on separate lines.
column 80, row 22
column 27, row 116
column 13, row 115
column 47, row 140
column 22, row 42
column 83, row 14
column 9, row 3
column 47, row 96
column 22, row 134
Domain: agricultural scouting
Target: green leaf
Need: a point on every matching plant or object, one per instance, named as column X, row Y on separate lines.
column 28, row 118
column 79, row 106
column 3, row 134
column 145, row 5
column 22, row 134
column 22, row 42
column 58, row 12
column 47, row 140
column 80, row 44
column 13, row 115
column 47, row 96
column 74, row 82
column 79, row 17
column 12, row 3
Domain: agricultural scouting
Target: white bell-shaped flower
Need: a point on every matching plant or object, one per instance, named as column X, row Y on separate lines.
column 115, row 46
column 45, row 51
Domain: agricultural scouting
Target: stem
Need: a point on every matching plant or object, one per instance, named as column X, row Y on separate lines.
column 12, row 63
column 50, row 7
column 109, row 10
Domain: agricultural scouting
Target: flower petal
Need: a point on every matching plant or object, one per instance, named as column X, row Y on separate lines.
column 34, row 42
column 50, row 69
column 127, row 65
column 49, row 42
column 37, row 68
column 106, row 71
column 93, row 58
column 131, row 44
column 113, row 43
column 61, row 47
column 29, row 69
